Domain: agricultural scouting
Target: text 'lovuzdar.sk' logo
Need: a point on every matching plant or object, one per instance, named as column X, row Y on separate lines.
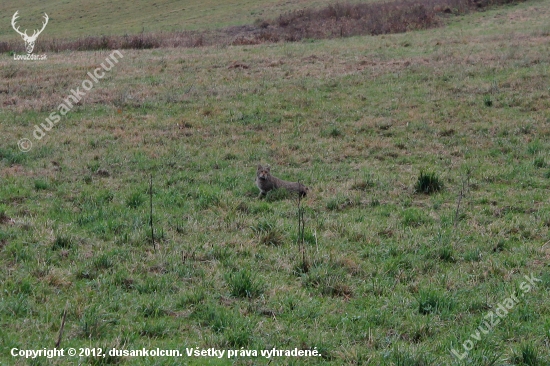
column 29, row 40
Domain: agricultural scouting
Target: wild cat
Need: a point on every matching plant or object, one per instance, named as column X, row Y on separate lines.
column 266, row 182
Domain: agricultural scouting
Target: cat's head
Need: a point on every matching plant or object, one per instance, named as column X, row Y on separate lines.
column 263, row 172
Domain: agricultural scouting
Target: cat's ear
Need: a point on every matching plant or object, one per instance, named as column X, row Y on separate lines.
column 259, row 166
column 268, row 168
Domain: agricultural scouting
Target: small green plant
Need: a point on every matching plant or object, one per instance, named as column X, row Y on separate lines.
column 527, row 355
column 328, row 280
column 243, row 284
column 446, row 254
column 365, row 184
column 534, row 147
column 239, row 335
column 191, row 297
column 214, row 316
column 41, row 185
column 428, row 183
column 539, row 162
column 93, row 323
column 332, row 131
column 414, row 217
column 154, row 329
column 404, row 358
column 102, row 261
column 272, row 237
column 62, row 242
column 487, row 101
column 135, row 200
column 12, row 157
column 431, row 301
column 267, row 233
column 152, row 310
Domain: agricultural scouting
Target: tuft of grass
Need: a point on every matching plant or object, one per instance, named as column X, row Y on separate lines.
column 432, row 301
column 40, row 185
column 414, row 217
column 244, row 283
column 267, row 233
column 272, row 237
column 192, row 297
column 332, row 132
column 528, row 355
column 135, row 200
column 328, row 281
column 406, row 358
column 62, row 242
column 94, row 323
column 214, row 316
column 102, row 261
column 12, row 156
column 447, row 254
column 238, row 335
column 539, row 162
column 154, row 329
column 428, row 183
column 152, row 310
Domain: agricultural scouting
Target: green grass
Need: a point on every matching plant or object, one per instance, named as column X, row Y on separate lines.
column 392, row 277
column 82, row 18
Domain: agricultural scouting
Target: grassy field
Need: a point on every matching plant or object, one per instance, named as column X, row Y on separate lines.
column 395, row 277
column 78, row 18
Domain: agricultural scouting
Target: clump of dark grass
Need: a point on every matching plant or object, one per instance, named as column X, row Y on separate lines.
column 214, row 316
column 135, row 200
column 432, row 301
column 152, row 310
column 94, row 323
column 40, row 184
column 237, row 337
column 414, row 217
column 528, row 355
column 191, row 297
column 428, row 183
column 539, row 162
column 154, row 330
column 62, row 242
column 364, row 184
column 332, row 132
column 12, row 156
column 446, row 254
column 244, row 283
column 328, row 281
column 267, row 233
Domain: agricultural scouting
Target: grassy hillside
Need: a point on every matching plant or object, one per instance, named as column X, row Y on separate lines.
column 69, row 19
column 395, row 277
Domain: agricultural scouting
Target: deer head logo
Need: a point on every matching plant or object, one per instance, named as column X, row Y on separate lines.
column 29, row 40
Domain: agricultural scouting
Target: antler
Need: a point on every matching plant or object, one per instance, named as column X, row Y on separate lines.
column 13, row 19
column 34, row 35
column 24, row 34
